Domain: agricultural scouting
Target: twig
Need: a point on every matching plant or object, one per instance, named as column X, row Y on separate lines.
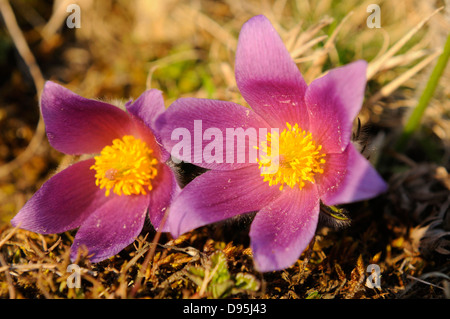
column 26, row 54
column 10, row 234
column 30, row 267
column 307, row 255
column 149, row 256
column 12, row 291
column 57, row 18
column 54, row 245
column 122, row 290
column 424, row 282
column 21, row 43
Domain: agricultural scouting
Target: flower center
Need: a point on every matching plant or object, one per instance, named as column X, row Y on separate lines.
column 298, row 157
column 125, row 167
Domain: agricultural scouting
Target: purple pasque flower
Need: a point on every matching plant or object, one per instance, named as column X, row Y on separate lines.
column 317, row 161
column 109, row 195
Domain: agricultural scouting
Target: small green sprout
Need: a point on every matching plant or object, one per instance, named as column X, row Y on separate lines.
column 215, row 280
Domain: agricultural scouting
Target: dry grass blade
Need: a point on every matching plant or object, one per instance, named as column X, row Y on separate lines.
column 395, row 84
column 376, row 65
column 405, row 59
column 298, row 40
column 305, row 47
column 316, row 68
column 211, row 26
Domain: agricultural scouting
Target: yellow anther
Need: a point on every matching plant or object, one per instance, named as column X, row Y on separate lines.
column 299, row 158
column 125, row 167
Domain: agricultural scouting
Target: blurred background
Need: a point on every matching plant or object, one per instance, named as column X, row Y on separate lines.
column 186, row 48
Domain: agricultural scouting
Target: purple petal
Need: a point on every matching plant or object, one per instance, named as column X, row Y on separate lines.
column 333, row 102
column 335, row 169
column 218, row 195
column 268, row 78
column 148, row 107
column 283, row 229
column 361, row 181
column 112, row 227
column 165, row 189
column 63, row 202
column 76, row 125
column 146, row 110
column 205, row 127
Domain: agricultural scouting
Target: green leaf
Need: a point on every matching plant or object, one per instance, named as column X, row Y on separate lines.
column 196, row 274
column 220, row 267
column 246, row 281
column 221, row 283
column 222, row 289
column 313, row 295
column 415, row 117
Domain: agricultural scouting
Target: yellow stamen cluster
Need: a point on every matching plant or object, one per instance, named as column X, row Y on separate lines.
column 299, row 158
column 125, row 167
